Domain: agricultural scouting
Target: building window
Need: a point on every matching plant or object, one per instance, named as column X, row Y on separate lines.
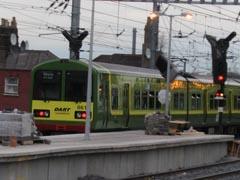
column 11, row 86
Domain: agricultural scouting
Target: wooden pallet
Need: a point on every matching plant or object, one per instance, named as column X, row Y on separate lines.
column 235, row 148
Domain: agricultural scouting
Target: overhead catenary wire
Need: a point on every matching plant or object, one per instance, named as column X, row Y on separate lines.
column 101, row 25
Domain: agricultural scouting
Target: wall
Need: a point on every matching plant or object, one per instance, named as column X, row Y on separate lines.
column 21, row 101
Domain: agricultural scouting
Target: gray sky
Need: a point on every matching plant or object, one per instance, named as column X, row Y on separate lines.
column 112, row 17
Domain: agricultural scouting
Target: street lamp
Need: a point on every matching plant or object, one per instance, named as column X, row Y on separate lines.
column 188, row 16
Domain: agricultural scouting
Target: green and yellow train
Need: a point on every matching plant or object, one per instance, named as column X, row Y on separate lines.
column 122, row 96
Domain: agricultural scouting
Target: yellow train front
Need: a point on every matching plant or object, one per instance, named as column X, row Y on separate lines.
column 59, row 96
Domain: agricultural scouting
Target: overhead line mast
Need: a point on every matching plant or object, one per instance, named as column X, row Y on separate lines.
column 75, row 21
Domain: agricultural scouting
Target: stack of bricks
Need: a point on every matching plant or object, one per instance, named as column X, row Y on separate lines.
column 16, row 127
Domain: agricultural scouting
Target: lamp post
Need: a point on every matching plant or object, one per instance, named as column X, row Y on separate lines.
column 154, row 19
column 188, row 16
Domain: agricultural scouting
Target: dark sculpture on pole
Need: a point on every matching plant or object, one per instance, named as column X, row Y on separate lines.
column 75, row 42
column 219, row 54
column 219, row 70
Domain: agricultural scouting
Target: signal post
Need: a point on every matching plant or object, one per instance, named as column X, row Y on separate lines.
column 219, row 70
column 220, row 97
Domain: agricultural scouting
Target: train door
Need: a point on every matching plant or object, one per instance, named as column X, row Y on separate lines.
column 205, row 101
column 126, row 104
column 229, row 105
column 104, row 108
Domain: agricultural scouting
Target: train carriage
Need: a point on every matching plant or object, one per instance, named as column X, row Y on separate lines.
column 122, row 96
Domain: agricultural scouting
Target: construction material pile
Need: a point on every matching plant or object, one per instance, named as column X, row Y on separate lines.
column 16, row 126
column 156, row 123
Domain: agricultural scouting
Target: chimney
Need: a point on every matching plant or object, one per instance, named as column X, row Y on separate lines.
column 4, row 22
column 14, row 23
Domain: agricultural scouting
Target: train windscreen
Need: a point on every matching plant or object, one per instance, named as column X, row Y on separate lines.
column 76, row 86
column 47, row 85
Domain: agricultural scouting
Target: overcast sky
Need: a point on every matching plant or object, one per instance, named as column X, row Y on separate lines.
column 38, row 25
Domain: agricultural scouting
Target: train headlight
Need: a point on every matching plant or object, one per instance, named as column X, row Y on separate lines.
column 80, row 115
column 41, row 113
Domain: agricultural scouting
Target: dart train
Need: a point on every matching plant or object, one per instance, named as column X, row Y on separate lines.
column 122, row 96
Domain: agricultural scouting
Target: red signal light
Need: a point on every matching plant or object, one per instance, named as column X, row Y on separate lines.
column 219, row 93
column 220, row 78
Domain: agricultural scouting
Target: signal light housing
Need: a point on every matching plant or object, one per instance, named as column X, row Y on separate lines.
column 43, row 113
column 219, row 94
column 220, row 79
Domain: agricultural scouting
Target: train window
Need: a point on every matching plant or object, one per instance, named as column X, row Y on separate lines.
column 237, row 102
column 151, row 96
column 178, row 101
column 137, row 99
column 47, row 85
column 158, row 104
column 114, row 98
column 196, row 101
column 144, row 99
column 76, row 86
column 212, row 103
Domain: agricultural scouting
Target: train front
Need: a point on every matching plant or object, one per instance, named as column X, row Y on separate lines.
column 59, row 96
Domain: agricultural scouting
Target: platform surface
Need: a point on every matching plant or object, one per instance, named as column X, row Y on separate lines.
column 103, row 142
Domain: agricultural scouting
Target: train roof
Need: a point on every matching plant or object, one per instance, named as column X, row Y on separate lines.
column 129, row 70
column 153, row 73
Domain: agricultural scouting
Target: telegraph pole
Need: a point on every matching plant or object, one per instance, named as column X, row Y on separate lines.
column 75, row 21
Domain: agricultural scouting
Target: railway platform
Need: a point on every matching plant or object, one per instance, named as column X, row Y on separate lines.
column 112, row 155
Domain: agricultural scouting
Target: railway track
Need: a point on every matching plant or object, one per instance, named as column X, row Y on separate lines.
column 231, row 175
column 225, row 170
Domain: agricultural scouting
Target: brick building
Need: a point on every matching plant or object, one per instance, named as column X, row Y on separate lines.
column 16, row 63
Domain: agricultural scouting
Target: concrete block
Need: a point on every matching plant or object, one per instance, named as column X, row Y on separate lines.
column 19, row 125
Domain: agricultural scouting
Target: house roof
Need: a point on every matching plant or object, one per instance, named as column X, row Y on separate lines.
column 26, row 60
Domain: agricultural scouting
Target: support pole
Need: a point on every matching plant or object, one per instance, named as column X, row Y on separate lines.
column 154, row 36
column 134, row 41
column 220, row 110
column 168, row 68
column 89, row 83
column 75, row 23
